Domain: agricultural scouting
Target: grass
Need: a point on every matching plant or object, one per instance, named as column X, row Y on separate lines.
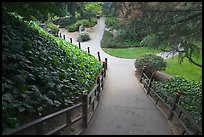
column 185, row 69
column 129, row 53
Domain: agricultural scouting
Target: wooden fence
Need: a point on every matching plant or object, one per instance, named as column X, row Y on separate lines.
column 183, row 122
column 71, row 120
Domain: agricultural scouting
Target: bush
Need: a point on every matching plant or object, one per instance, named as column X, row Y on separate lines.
column 85, row 22
column 191, row 97
column 109, row 41
column 152, row 63
column 88, row 23
column 112, row 22
column 132, row 43
column 63, row 22
column 54, row 28
column 84, row 36
column 91, row 23
column 72, row 27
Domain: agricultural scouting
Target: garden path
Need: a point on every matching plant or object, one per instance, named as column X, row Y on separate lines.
column 124, row 108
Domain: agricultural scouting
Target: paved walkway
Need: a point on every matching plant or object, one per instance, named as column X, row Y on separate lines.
column 124, row 108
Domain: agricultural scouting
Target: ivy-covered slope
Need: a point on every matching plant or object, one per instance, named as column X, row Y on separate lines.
column 40, row 73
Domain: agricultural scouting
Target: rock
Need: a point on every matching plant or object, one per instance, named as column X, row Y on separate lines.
column 161, row 76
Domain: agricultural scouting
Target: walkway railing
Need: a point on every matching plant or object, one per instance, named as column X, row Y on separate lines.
column 170, row 107
column 63, row 121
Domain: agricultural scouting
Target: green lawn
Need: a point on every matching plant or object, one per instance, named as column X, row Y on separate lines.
column 186, row 69
column 129, row 53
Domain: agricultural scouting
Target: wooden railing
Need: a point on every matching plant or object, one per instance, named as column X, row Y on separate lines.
column 170, row 107
column 62, row 122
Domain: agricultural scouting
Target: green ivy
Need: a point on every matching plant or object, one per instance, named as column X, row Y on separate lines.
column 41, row 73
column 191, row 97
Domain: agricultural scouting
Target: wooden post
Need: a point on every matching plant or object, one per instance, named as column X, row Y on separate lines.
column 84, row 109
column 88, row 50
column 99, row 83
column 64, row 37
column 68, row 118
column 178, row 94
column 98, row 88
column 95, row 92
column 60, row 35
column 102, row 74
column 93, row 105
column 71, row 40
column 79, row 45
column 106, row 61
column 104, row 68
column 150, row 83
column 38, row 128
column 142, row 73
column 99, row 58
column 103, row 65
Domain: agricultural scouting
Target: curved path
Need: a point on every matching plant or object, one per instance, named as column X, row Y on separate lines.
column 124, row 107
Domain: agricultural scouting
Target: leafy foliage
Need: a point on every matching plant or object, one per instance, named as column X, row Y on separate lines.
column 40, row 73
column 132, row 43
column 36, row 10
column 85, row 22
column 167, row 23
column 151, row 61
column 84, row 36
column 112, row 22
column 108, row 40
column 65, row 21
column 54, row 28
column 191, row 98
column 94, row 7
column 73, row 27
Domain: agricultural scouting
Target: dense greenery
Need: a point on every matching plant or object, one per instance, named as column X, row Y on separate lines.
column 40, row 73
column 110, row 41
column 151, row 61
column 162, row 23
column 36, row 10
column 85, row 22
column 185, row 69
column 73, row 27
column 54, row 28
column 112, row 22
column 191, row 97
column 91, row 9
column 84, row 36
column 64, row 21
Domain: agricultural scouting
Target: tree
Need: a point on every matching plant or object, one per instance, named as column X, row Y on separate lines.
column 91, row 9
column 177, row 25
column 38, row 10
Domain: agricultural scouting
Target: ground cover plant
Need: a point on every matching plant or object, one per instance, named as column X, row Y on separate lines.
column 191, row 95
column 41, row 73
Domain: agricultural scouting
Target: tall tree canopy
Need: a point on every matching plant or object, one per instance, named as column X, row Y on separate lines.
column 37, row 10
column 177, row 25
column 44, row 10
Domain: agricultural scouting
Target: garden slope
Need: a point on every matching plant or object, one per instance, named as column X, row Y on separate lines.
column 40, row 73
